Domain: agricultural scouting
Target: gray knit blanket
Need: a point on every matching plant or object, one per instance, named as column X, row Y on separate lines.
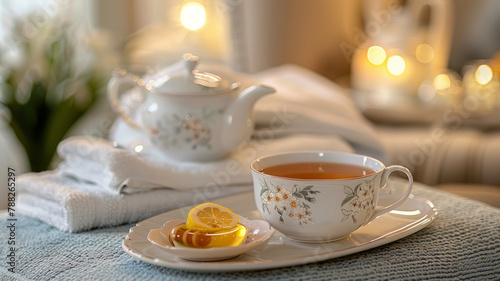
column 462, row 244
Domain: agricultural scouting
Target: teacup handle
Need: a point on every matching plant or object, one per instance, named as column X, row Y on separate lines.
column 114, row 98
column 383, row 182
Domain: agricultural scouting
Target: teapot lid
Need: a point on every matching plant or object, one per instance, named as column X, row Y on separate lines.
column 190, row 81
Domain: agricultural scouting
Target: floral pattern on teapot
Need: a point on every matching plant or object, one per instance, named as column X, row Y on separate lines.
column 190, row 129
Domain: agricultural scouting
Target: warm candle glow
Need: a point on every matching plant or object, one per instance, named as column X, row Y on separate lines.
column 484, row 74
column 396, row 65
column 138, row 148
column 441, row 82
column 376, row 55
column 424, row 53
column 193, row 15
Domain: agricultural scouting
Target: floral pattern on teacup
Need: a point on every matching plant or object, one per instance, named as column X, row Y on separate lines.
column 288, row 204
column 358, row 200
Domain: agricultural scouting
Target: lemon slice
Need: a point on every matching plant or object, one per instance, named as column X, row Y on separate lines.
column 211, row 217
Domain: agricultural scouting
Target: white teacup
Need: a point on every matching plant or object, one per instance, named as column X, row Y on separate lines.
column 321, row 210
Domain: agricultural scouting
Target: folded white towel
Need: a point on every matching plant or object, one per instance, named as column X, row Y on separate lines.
column 84, row 193
column 73, row 205
column 122, row 171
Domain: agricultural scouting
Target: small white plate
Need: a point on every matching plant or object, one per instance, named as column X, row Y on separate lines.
column 413, row 215
column 259, row 233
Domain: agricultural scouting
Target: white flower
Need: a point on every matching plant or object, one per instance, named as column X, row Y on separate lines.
column 365, row 192
column 355, row 205
column 267, row 197
column 365, row 204
column 282, row 197
column 304, row 215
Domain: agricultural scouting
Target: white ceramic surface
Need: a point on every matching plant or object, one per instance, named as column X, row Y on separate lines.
column 259, row 233
column 187, row 114
column 411, row 216
column 317, row 211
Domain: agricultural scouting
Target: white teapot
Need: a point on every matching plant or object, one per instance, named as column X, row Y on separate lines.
column 191, row 115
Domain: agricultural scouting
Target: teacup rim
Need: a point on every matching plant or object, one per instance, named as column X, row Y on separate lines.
column 315, row 152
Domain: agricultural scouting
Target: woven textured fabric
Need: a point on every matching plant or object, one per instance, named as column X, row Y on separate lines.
column 462, row 244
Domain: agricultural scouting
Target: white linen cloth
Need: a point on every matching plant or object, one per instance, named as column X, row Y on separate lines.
column 100, row 185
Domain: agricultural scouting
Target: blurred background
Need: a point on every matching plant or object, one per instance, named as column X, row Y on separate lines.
column 409, row 66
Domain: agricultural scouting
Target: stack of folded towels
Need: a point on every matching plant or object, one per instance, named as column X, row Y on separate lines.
column 101, row 184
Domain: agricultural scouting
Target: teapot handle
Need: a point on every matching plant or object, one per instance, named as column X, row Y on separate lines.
column 113, row 97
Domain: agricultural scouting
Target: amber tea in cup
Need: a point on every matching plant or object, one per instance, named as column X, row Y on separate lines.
column 318, row 170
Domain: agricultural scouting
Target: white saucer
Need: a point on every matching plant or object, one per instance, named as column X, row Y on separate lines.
column 413, row 215
column 259, row 233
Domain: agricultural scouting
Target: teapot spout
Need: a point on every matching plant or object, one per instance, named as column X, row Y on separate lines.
column 238, row 116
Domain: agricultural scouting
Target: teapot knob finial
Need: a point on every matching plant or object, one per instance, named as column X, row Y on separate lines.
column 190, row 62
